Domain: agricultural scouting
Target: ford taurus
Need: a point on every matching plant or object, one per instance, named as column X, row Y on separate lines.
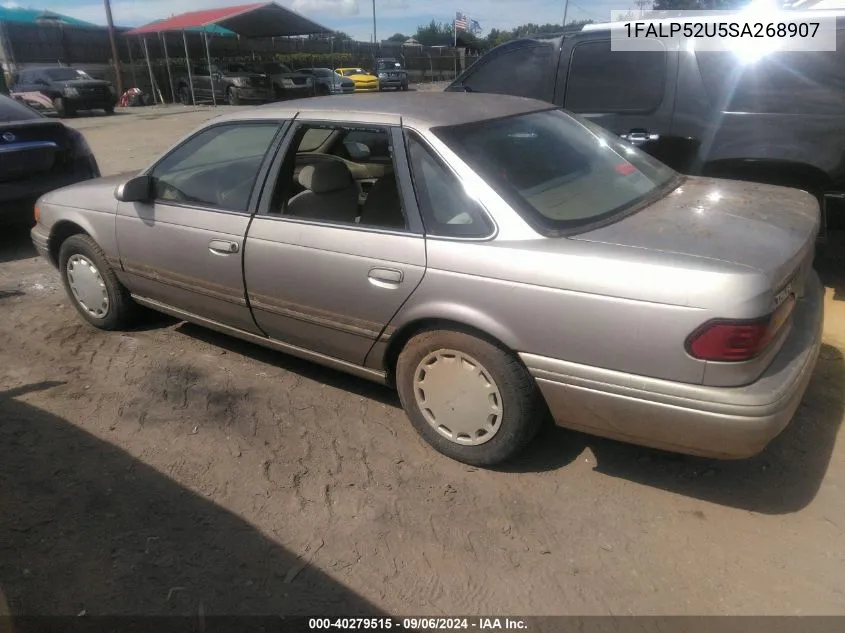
column 493, row 258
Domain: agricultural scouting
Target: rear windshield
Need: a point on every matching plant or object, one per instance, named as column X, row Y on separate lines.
column 65, row 74
column 563, row 174
column 11, row 110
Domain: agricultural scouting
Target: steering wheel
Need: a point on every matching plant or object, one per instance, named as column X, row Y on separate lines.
column 240, row 191
column 169, row 192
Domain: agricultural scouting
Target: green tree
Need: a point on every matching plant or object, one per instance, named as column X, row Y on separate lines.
column 397, row 37
column 435, row 34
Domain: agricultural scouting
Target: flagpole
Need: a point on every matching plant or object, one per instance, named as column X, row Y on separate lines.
column 455, row 30
column 565, row 10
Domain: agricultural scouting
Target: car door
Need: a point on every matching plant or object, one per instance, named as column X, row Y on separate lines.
column 329, row 277
column 202, row 81
column 184, row 248
column 630, row 93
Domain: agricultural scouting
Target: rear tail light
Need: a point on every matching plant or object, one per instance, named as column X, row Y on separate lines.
column 36, row 213
column 725, row 340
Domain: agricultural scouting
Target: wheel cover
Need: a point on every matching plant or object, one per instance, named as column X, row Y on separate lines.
column 458, row 397
column 87, row 285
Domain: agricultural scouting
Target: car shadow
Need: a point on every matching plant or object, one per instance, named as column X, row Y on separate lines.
column 15, row 243
column 88, row 529
column 784, row 478
column 304, row 368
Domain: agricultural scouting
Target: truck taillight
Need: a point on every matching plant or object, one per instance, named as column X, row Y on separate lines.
column 725, row 340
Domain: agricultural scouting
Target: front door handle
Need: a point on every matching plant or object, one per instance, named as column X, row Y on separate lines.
column 223, row 247
column 385, row 277
column 639, row 136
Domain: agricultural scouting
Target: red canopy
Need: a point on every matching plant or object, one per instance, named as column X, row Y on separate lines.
column 261, row 19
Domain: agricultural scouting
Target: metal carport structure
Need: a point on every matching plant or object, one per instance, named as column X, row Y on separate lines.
column 252, row 21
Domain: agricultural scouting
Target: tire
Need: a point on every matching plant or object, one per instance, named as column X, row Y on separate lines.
column 517, row 399
column 109, row 109
column 404, row 87
column 232, row 97
column 62, row 107
column 120, row 308
column 184, row 95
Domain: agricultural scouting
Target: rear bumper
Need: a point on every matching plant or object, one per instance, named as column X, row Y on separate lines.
column 20, row 195
column 720, row 422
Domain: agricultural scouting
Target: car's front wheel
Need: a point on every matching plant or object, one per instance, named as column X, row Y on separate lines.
column 62, row 107
column 92, row 286
column 232, row 97
column 469, row 398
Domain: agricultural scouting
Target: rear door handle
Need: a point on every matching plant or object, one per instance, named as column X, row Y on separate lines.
column 385, row 277
column 223, row 247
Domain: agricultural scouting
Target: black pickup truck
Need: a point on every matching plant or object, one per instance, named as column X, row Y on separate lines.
column 776, row 117
column 69, row 89
column 391, row 74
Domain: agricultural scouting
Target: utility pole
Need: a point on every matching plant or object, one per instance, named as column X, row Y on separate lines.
column 115, row 58
column 375, row 39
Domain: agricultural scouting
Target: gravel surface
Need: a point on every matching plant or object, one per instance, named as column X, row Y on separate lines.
column 170, row 469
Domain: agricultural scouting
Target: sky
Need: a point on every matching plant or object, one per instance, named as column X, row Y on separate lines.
column 352, row 16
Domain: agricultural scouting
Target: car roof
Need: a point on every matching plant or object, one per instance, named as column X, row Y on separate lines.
column 426, row 109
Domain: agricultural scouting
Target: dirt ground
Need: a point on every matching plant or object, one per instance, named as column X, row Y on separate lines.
column 170, row 469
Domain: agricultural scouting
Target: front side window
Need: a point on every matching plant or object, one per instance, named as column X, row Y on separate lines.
column 601, row 80
column 561, row 173
column 447, row 210
column 65, row 74
column 217, row 167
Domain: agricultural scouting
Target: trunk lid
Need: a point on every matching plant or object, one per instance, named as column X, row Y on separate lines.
column 763, row 227
column 29, row 148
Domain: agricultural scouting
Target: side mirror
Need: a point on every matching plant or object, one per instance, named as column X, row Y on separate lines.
column 137, row 189
column 357, row 151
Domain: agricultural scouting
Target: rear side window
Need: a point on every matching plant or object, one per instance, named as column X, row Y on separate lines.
column 521, row 72
column 789, row 82
column 447, row 210
column 601, row 80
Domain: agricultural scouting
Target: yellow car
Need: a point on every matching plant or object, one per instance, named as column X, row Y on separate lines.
column 364, row 81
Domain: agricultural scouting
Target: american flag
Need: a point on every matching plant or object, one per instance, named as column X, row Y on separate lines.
column 461, row 22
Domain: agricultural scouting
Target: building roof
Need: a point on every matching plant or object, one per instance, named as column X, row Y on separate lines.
column 39, row 16
column 261, row 19
column 428, row 109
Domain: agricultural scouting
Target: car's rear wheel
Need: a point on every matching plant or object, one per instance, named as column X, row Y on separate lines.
column 470, row 399
column 109, row 109
column 92, row 286
column 184, row 95
column 232, row 97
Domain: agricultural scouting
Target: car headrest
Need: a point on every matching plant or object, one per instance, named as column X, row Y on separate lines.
column 324, row 177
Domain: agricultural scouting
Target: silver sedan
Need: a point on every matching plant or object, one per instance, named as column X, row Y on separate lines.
column 493, row 258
